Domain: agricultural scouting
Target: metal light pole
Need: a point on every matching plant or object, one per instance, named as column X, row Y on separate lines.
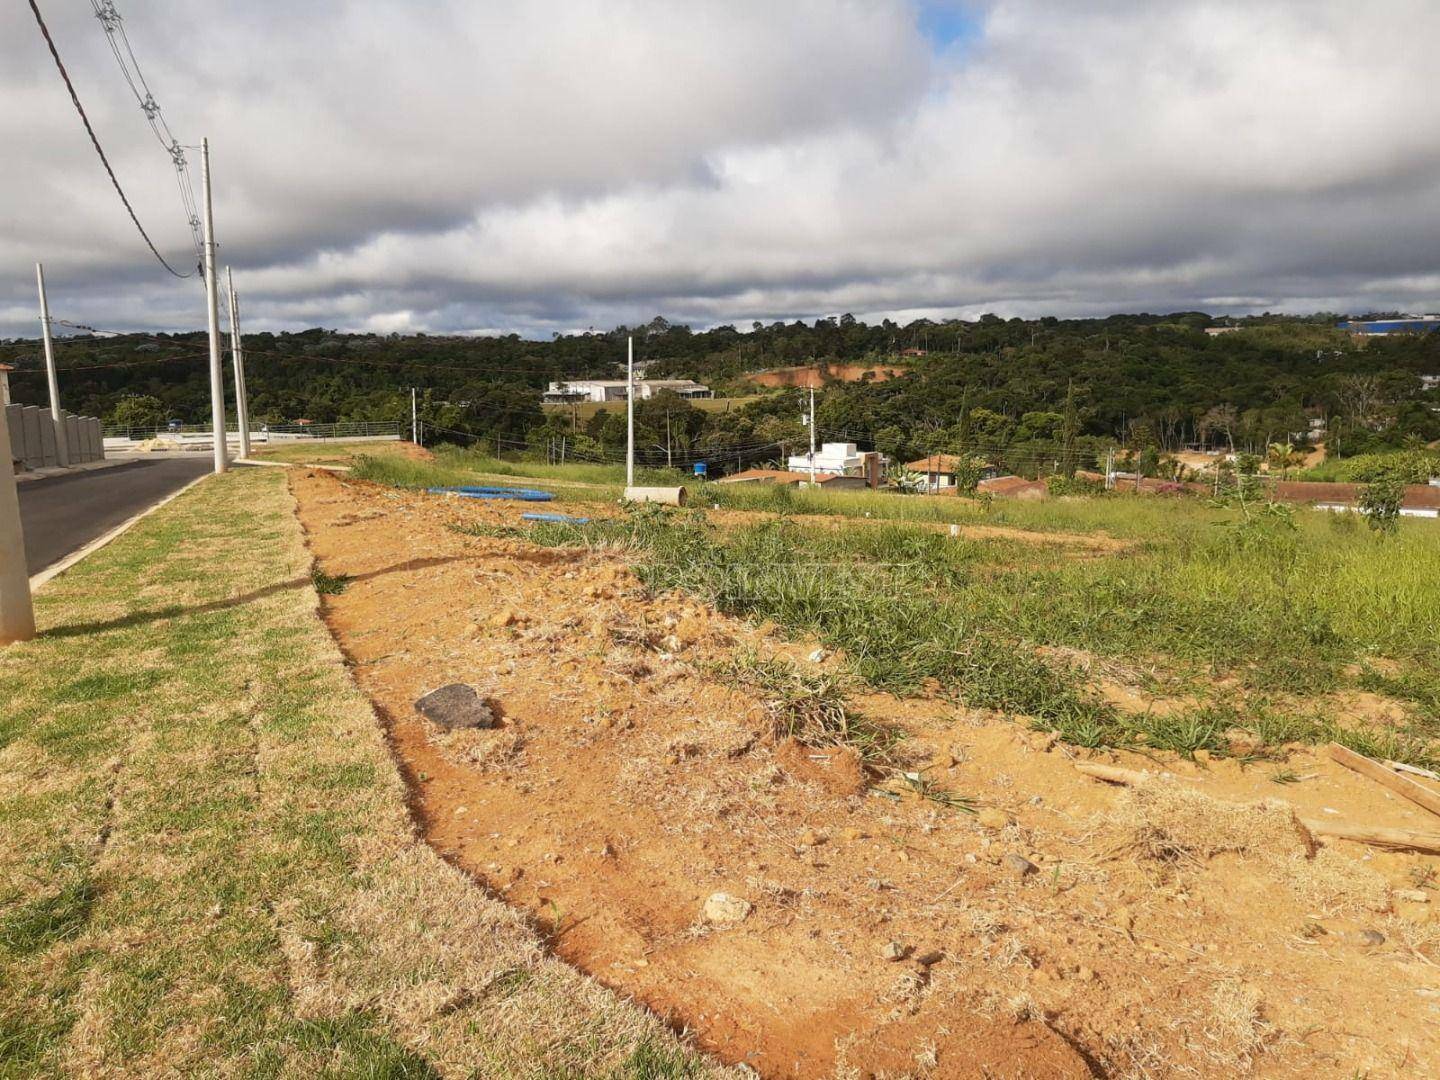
column 17, row 615
column 237, row 353
column 57, row 414
column 630, row 412
column 813, row 484
column 212, row 312
column 414, row 419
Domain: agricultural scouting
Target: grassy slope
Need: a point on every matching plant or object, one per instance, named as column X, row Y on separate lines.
column 1142, row 517
column 206, row 865
column 326, row 452
column 1286, row 605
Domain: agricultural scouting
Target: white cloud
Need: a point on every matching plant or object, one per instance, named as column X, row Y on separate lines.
column 538, row 165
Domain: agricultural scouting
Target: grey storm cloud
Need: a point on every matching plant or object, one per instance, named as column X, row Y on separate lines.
column 535, row 166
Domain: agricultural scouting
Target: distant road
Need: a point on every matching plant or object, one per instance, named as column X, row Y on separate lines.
column 62, row 514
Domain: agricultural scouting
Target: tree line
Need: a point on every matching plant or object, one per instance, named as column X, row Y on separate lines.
column 1033, row 388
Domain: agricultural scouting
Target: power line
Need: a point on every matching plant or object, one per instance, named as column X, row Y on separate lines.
column 114, row 27
column 74, row 97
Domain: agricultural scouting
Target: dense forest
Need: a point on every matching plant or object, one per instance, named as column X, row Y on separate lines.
column 1013, row 388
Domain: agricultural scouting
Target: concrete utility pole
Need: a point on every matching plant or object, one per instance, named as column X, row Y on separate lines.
column 237, row 354
column 17, row 616
column 630, row 412
column 414, row 419
column 812, row 438
column 212, row 312
column 57, row 414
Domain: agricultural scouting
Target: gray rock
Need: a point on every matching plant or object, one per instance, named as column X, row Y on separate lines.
column 1372, row 937
column 894, row 951
column 456, row 706
column 724, row 910
column 1021, row 865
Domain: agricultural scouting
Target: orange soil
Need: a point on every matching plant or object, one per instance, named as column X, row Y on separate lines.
column 627, row 784
column 812, row 376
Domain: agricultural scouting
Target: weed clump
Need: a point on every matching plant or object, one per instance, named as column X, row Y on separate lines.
column 1168, row 821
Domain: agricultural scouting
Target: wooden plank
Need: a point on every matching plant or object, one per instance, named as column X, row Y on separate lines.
column 1401, row 785
column 1395, row 839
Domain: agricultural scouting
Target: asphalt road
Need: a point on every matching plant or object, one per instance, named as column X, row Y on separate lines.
column 61, row 514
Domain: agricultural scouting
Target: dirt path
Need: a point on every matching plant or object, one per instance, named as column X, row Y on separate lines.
column 626, row 786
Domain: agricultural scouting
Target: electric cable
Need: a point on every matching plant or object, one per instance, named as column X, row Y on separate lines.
column 94, row 139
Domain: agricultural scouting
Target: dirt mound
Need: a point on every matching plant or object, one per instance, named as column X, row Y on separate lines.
column 889, row 931
column 838, row 769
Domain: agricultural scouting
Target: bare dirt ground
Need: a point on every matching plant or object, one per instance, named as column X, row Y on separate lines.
column 1067, row 929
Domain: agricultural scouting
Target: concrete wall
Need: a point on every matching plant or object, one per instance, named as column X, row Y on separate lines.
column 32, row 437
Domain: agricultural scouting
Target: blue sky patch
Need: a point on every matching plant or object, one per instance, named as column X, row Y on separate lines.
column 948, row 23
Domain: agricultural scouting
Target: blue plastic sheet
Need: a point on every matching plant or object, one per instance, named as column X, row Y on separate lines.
column 519, row 494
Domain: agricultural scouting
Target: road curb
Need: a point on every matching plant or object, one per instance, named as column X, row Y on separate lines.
column 49, row 472
column 54, row 570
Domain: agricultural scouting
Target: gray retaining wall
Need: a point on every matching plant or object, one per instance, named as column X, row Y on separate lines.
column 32, row 437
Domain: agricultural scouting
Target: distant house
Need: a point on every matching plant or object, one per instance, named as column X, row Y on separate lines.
column 563, row 393
column 1430, row 382
column 838, row 459
column 791, row 478
column 940, row 470
column 841, row 459
column 1216, row 331
column 912, row 352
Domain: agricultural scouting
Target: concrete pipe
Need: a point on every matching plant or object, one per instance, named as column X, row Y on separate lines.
column 666, row 496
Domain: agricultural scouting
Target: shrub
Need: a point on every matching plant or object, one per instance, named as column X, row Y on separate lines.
column 1381, row 503
column 1074, row 485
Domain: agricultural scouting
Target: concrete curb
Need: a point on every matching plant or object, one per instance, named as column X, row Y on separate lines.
column 55, row 470
column 54, row 570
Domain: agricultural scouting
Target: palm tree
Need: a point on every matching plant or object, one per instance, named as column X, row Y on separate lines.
column 1282, row 456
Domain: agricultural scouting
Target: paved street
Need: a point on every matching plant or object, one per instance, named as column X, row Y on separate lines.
column 63, row 513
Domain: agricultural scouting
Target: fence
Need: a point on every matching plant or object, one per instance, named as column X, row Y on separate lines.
column 32, row 437
column 357, row 429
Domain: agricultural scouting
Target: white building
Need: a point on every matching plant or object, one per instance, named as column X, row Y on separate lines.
column 614, row 390
column 833, row 459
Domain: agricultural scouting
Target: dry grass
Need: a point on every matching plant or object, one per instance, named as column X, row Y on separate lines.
column 327, row 452
column 206, row 864
column 1163, row 819
column 1167, row 820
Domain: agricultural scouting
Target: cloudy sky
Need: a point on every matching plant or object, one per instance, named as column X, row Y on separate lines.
column 541, row 165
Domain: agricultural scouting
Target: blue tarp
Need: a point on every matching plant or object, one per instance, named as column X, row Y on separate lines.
column 521, row 494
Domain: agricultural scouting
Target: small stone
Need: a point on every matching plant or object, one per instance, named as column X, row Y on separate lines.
column 1202, row 756
column 457, row 705
column 851, row 834
column 1413, row 896
column 818, row 656
column 724, row 909
column 1020, row 865
column 1372, row 937
column 1084, row 974
column 811, row 838
column 930, row 959
column 992, row 817
column 894, row 951
column 505, row 617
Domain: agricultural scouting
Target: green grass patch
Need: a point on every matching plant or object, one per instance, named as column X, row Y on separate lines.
column 1283, row 603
